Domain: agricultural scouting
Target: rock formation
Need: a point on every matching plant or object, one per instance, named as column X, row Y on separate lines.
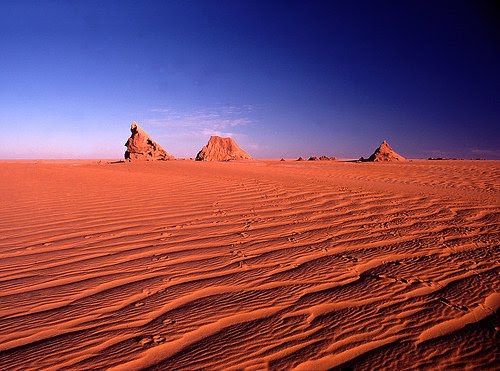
column 321, row 158
column 141, row 147
column 385, row 153
column 326, row 158
column 222, row 149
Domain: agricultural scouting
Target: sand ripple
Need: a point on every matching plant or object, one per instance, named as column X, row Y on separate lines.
column 275, row 265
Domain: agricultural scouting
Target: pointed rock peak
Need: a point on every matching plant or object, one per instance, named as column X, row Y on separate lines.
column 222, row 149
column 134, row 128
column 385, row 153
column 140, row 146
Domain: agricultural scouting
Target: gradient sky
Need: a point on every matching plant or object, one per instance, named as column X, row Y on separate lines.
column 285, row 78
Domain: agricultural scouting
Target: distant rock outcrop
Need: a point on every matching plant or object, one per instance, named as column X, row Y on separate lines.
column 321, row 158
column 141, row 147
column 222, row 149
column 384, row 153
column 326, row 158
column 315, row 158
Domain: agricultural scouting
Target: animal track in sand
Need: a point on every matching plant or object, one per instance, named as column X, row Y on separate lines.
column 238, row 253
column 445, row 301
column 220, row 212
column 159, row 258
column 158, row 339
column 152, row 341
column 243, row 264
column 349, row 258
column 391, row 278
column 145, row 342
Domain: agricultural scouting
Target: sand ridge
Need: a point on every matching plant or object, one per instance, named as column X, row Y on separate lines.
column 263, row 264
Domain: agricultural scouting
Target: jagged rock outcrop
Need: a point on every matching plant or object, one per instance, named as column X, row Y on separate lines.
column 321, row 158
column 326, row 158
column 222, row 149
column 384, row 153
column 140, row 146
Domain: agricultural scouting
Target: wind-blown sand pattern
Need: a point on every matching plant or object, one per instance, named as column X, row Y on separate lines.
column 268, row 264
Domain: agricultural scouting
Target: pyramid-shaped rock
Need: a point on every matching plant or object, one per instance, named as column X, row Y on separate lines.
column 221, row 149
column 385, row 153
column 140, row 146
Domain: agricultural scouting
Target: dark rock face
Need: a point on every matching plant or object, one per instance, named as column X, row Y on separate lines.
column 222, row 149
column 384, row 153
column 140, row 146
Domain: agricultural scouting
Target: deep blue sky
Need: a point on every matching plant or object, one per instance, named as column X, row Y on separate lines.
column 284, row 78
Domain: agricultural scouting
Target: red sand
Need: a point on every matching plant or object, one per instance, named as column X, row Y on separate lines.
column 265, row 264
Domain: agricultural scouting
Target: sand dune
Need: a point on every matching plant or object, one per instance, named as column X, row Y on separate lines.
column 265, row 264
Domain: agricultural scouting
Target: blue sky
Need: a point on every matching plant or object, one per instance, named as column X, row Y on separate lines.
column 285, row 78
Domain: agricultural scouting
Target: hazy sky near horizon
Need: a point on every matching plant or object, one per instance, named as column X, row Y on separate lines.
column 284, row 78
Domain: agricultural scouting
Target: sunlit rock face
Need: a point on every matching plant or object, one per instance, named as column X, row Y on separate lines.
column 384, row 153
column 140, row 147
column 222, row 149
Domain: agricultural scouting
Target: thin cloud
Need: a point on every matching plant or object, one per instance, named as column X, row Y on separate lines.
column 201, row 120
column 160, row 110
column 210, row 132
column 184, row 132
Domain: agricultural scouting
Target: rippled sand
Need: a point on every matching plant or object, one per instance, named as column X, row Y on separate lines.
column 264, row 264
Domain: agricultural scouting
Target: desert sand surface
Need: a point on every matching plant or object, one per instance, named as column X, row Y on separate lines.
column 249, row 265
